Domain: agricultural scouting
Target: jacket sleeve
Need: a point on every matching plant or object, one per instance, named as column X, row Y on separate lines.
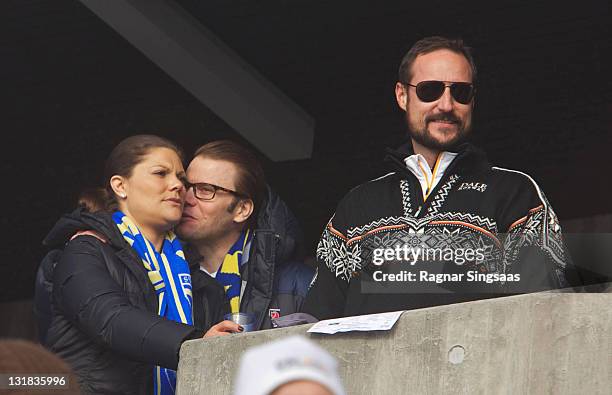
column 43, row 289
column 86, row 294
column 209, row 301
column 533, row 246
column 327, row 295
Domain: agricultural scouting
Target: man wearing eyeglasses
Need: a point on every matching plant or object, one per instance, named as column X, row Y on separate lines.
column 241, row 234
column 446, row 226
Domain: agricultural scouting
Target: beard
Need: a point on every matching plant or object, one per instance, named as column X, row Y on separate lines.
column 424, row 137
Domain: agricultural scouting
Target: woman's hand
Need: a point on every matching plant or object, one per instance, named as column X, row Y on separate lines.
column 223, row 328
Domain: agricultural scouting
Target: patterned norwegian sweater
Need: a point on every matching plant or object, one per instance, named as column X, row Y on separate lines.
column 501, row 215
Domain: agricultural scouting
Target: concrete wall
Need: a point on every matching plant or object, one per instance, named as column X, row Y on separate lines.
column 538, row 343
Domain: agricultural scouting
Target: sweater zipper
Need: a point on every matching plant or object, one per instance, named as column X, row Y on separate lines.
column 423, row 205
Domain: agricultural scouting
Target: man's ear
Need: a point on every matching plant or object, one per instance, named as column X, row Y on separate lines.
column 119, row 186
column 401, row 95
column 243, row 210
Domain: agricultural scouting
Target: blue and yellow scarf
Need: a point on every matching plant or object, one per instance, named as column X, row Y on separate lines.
column 169, row 274
column 229, row 272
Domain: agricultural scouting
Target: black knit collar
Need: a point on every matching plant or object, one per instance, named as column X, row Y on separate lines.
column 469, row 159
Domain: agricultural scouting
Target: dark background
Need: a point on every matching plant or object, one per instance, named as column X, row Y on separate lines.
column 73, row 88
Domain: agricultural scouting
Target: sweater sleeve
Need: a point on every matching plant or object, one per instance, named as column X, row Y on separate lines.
column 335, row 267
column 86, row 294
column 533, row 246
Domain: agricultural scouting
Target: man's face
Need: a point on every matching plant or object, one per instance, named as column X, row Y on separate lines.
column 209, row 220
column 444, row 122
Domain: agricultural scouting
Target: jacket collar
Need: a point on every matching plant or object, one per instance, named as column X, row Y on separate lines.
column 470, row 159
column 81, row 219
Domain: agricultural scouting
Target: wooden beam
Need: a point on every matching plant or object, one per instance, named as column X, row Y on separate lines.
column 182, row 47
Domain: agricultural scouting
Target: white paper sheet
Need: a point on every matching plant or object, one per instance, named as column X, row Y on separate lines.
column 371, row 322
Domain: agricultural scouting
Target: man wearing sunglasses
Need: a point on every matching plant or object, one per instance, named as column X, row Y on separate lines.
column 445, row 226
column 241, row 234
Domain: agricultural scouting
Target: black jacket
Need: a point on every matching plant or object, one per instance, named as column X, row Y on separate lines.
column 277, row 280
column 501, row 213
column 43, row 288
column 105, row 322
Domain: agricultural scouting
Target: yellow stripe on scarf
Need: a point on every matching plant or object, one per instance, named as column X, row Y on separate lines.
column 230, row 263
column 146, row 264
column 179, row 306
column 235, row 304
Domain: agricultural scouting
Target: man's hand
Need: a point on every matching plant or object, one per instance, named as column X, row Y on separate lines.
column 223, row 328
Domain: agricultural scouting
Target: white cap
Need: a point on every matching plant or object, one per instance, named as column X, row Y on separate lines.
column 265, row 368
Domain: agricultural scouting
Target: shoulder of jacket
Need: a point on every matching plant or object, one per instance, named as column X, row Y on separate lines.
column 373, row 186
column 86, row 244
column 93, row 233
column 516, row 177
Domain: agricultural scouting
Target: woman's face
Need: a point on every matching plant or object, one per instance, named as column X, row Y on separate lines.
column 154, row 194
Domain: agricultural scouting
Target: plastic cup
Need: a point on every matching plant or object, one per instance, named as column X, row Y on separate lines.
column 245, row 320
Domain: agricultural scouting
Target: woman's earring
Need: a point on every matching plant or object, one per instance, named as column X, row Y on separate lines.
column 122, row 195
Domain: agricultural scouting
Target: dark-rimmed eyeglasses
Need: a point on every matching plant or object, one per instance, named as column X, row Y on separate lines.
column 206, row 191
column 428, row 91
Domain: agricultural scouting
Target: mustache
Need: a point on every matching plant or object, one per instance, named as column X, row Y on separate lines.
column 446, row 116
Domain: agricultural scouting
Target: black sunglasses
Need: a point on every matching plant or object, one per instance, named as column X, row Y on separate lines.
column 206, row 191
column 428, row 91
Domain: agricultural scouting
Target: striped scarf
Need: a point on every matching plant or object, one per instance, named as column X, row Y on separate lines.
column 169, row 274
column 229, row 272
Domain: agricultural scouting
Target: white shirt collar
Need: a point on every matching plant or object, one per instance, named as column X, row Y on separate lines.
column 429, row 178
